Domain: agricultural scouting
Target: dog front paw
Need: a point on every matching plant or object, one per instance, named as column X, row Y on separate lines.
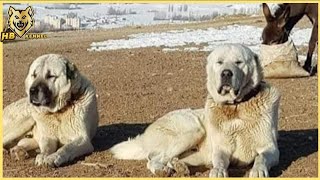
column 218, row 172
column 57, row 159
column 259, row 172
column 40, row 159
column 52, row 160
column 19, row 153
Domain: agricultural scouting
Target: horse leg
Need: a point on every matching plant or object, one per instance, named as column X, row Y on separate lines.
column 312, row 44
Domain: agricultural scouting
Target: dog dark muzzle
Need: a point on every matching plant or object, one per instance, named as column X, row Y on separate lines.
column 226, row 82
column 40, row 95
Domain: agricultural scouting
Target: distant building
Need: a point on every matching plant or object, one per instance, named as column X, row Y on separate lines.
column 73, row 21
column 54, row 21
column 37, row 25
column 174, row 12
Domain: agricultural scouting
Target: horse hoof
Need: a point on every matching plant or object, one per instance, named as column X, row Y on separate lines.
column 312, row 70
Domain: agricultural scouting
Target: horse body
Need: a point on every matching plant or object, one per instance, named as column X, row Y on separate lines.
column 285, row 18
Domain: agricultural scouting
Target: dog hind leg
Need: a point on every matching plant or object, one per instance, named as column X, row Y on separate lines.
column 162, row 163
column 20, row 151
column 17, row 121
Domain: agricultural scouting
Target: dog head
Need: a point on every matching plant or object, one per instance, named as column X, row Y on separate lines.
column 20, row 21
column 233, row 70
column 49, row 82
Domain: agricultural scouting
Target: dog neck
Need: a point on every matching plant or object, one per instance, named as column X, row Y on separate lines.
column 251, row 94
column 247, row 97
column 78, row 91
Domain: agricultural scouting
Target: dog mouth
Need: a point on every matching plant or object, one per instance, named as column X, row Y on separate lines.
column 20, row 25
column 44, row 102
column 226, row 89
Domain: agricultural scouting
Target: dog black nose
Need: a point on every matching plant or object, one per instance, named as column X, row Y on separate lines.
column 33, row 91
column 226, row 73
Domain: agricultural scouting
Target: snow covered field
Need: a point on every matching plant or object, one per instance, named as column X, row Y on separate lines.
column 197, row 40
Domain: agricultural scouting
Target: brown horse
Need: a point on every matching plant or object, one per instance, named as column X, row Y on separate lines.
column 286, row 16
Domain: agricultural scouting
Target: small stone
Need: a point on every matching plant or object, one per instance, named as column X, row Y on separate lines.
column 170, row 89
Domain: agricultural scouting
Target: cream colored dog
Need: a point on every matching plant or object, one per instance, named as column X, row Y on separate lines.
column 59, row 114
column 237, row 126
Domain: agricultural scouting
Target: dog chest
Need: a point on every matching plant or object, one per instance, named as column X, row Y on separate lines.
column 234, row 118
column 243, row 116
column 243, row 127
column 63, row 126
column 241, row 138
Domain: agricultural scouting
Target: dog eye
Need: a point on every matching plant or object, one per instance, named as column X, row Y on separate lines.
column 17, row 17
column 238, row 62
column 219, row 62
column 24, row 17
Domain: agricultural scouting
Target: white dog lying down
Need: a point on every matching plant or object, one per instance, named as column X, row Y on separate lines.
column 237, row 126
column 59, row 113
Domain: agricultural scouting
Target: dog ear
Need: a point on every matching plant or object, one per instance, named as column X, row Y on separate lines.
column 11, row 10
column 283, row 18
column 29, row 10
column 71, row 70
column 209, row 63
column 257, row 74
column 267, row 13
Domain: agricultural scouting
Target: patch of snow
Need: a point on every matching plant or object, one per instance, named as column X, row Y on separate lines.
column 211, row 37
column 191, row 49
column 301, row 36
column 170, row 49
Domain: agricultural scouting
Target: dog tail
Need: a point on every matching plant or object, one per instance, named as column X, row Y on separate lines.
column 131, row 149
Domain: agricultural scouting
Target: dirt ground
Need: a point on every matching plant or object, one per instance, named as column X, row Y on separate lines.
column 137, row 86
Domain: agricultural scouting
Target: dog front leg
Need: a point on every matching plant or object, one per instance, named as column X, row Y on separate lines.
column 220, row 156
column 47, row 146
column 220, row 163
column 264, row 161
column 68, row 152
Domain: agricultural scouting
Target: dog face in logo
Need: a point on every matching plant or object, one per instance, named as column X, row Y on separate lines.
column 20, row 21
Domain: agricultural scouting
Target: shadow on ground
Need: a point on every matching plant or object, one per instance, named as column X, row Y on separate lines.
column 109, row 135
column 293, row 145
